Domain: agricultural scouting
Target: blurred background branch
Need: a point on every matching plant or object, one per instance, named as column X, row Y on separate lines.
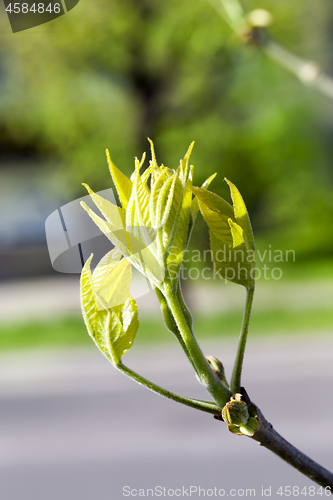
column 251, row 28
column 308, row 72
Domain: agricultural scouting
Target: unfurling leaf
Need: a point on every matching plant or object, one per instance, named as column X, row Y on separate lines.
column 111, row 324
column 153, row 227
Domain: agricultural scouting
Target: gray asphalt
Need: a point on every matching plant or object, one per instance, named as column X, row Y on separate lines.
column 73, row 428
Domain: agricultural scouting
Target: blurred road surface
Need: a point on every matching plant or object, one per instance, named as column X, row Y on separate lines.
column 73, row 428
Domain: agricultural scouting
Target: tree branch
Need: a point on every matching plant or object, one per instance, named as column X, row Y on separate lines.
column 309, row 72
column 268, row 437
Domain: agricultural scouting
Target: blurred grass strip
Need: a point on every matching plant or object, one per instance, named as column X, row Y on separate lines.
column 71, row 331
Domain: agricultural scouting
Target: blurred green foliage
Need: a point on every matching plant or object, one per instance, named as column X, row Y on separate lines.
column 112, row 72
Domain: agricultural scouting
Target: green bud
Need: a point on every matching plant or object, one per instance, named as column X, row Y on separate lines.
column 217, row 368
column 236, row 412
column 240, row 417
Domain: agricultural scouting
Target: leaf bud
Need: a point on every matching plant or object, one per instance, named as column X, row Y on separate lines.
column 236, row 412
column 240, row 417
column 217, row 368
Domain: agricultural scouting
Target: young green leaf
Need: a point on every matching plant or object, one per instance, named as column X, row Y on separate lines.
column 115, row 288
column 116, row 234
column 242, row 216
column 154, row 222
column 184, row 164
column 152, row 151
column 106, row 266
column 232, row 260
column 213, row 201
column 113, row 214
column 122, row 183
column 112, row 329
column 236, row 233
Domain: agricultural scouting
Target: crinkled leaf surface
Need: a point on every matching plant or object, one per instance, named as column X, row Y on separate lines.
column 171, row 225
column 155, row 192
column 175, row 256
column 115, row 288
column 141, row 196
column 164, row 201
column 176, row 227
column 155, row 220
column 113, row 329
column 106, row 266
column 136, row 243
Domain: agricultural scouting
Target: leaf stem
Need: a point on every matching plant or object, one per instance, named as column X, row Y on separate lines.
column 169, row 319
column 206, row 406
column 235, row 383
column 208, row 378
